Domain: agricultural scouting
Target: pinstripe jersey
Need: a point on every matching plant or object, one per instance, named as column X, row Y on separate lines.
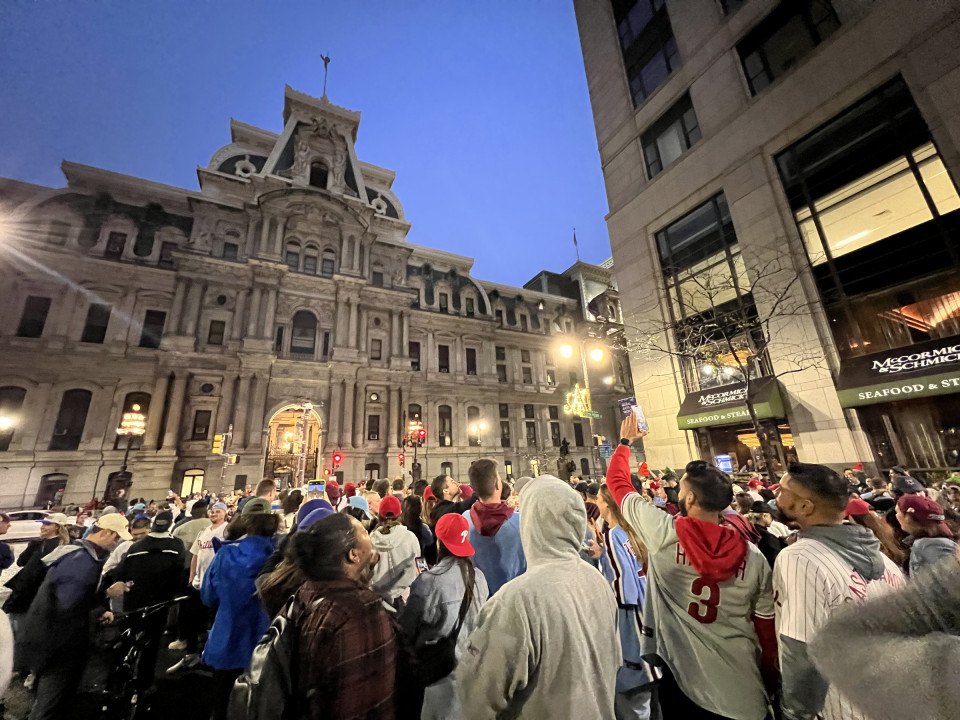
column 703, row 631
column 810, row 581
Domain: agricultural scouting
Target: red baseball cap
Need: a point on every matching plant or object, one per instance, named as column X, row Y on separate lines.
column 856, row 508
column 858, row 467
column 922, row 509
column 349, row 489
column 428, row 493
column 454, row 532
column 333, row 489
column 644, row 470
column 389, row 507
column 467, row 491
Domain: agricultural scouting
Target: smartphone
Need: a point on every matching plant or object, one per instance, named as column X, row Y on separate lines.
column 421, row 565
column 318, row 486
column 629, row 406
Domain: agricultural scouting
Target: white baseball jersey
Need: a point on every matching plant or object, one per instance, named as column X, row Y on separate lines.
column 703, row 631
column 810, row 581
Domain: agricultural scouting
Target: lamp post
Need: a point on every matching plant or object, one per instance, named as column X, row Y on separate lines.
column 597, row 355
column 477, row 429
column 133, row 424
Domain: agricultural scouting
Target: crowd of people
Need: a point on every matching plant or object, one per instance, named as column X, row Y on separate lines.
column 648, row 595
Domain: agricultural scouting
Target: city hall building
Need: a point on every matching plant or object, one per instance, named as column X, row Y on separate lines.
column 817, row 137
column 280, row 303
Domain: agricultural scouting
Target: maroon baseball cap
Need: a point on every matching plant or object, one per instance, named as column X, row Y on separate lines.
column 454, row 532
column 922, row 509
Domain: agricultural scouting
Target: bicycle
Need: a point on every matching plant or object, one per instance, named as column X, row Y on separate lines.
column 122, row 649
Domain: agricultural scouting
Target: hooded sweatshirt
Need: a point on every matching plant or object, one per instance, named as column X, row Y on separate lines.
column 397, row 568
column 829, row 567
column 546, row 644
column 708, row 596
column 495, row 536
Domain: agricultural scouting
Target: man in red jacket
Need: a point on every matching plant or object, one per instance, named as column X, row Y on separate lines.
column 709, row 609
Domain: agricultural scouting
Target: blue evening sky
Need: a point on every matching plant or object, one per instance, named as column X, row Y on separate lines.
column 481, row 108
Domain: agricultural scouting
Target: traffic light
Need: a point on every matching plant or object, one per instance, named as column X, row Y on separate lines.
column 402, row 458
column 422, row 436
column 218, row 444
column 326, row 472
column 337, row 459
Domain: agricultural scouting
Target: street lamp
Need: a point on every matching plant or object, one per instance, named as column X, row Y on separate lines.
column 6, row 423
column 597, row 355
column 133, row 424
column 477, row 429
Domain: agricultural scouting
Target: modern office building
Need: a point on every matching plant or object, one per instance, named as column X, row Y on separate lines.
column 802, row 154
column 286, row 279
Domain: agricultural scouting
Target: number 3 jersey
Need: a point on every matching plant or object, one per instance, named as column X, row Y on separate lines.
column 703, row 629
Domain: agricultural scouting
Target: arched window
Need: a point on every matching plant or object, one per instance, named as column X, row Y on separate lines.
column 446, row 468
column 11, row 400
column 474, row 428
column 444, row 426
column 68, row 430
column 303, row 337
column 328, row 263
column 143, row 245
column 310, row 260
column 292, row 257
column 133, row 402
column 318, row 174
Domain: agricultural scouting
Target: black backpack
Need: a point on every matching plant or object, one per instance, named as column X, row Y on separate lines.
column 267, row 689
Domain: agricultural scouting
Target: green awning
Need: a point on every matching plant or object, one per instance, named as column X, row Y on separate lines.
column 726, row 405
column 915, row 371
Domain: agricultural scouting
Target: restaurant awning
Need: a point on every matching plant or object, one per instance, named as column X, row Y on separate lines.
column 922, row 370
column 726, row 405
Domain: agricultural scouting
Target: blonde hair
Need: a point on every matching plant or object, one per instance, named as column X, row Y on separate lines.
column 639, row 549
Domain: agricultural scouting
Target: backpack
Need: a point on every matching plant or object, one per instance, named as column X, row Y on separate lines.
column 267, row 689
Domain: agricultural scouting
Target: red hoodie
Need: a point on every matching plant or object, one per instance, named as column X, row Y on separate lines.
column 487, row 519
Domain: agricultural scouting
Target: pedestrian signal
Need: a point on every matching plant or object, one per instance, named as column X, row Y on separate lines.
column 402, row 458
column 337, row 459
column 326, row 472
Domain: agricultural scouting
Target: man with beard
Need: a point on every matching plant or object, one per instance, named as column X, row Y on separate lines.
column 831, row 565
column 348, row 646
column 708, row 611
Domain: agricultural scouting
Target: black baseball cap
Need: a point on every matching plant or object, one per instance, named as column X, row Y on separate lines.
column 162, row 522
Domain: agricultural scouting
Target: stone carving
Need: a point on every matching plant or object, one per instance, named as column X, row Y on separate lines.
column 202, row 236
column 301, row 157
column 339, row 162
column 379, row 205
column 244, row 168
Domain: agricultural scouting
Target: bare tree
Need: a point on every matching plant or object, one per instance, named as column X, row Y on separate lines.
column 718, row 321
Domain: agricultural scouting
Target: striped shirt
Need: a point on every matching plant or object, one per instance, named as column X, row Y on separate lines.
column 810, row 581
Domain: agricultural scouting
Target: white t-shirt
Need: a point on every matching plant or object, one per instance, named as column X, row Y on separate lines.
column 810, row 581
column 203, row 548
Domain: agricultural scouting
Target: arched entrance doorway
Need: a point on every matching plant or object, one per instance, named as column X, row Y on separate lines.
column 288, row 441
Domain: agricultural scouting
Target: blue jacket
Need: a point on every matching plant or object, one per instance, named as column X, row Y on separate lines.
column 499, row 556
column 228, row 585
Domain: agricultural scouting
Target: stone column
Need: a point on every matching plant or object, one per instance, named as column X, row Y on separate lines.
column 176, row 310
column 191, row 311
column 457, row 362
column 265, row 235
column 122, row 319
column 366, row 263
column 340, row 333
column 405, row 335
column 151, row 438
column 271, row 313
column 335, row 412
column 175, row 413
column 236, row 325
column 253, row 311
column 393, row 418
column 255, row 424
column 362, row 332
column 347, row 429
column 352, row 336
column 358, row 415
column 394, row 335
column 225, row 410
column 357, row 249
column 461, row 436
column 278, row 238
column 241, row 406
column 249, row 249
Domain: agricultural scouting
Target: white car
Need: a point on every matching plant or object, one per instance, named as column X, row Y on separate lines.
column 24, row 525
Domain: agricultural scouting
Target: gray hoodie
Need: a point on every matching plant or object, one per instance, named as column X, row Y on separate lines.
column 916, row 631
column 546, row 645
column 926, row 552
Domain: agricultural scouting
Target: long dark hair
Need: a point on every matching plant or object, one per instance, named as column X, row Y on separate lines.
column 320, row 551
column 467, row 571
column 410, row 514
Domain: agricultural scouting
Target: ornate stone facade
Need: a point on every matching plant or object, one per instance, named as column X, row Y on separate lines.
column 286, row 278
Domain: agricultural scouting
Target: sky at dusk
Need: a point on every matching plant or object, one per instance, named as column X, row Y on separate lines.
column 481, row 108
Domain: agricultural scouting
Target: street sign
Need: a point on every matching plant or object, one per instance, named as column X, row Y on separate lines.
column 605, row 450
column 592, row 414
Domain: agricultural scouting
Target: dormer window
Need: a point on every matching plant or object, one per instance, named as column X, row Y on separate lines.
column 318, row 175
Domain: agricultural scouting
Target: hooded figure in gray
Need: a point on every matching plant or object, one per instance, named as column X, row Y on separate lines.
column 546, row 645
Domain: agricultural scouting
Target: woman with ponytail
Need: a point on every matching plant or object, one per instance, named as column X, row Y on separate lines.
column 433, row 609
column 624, row 563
